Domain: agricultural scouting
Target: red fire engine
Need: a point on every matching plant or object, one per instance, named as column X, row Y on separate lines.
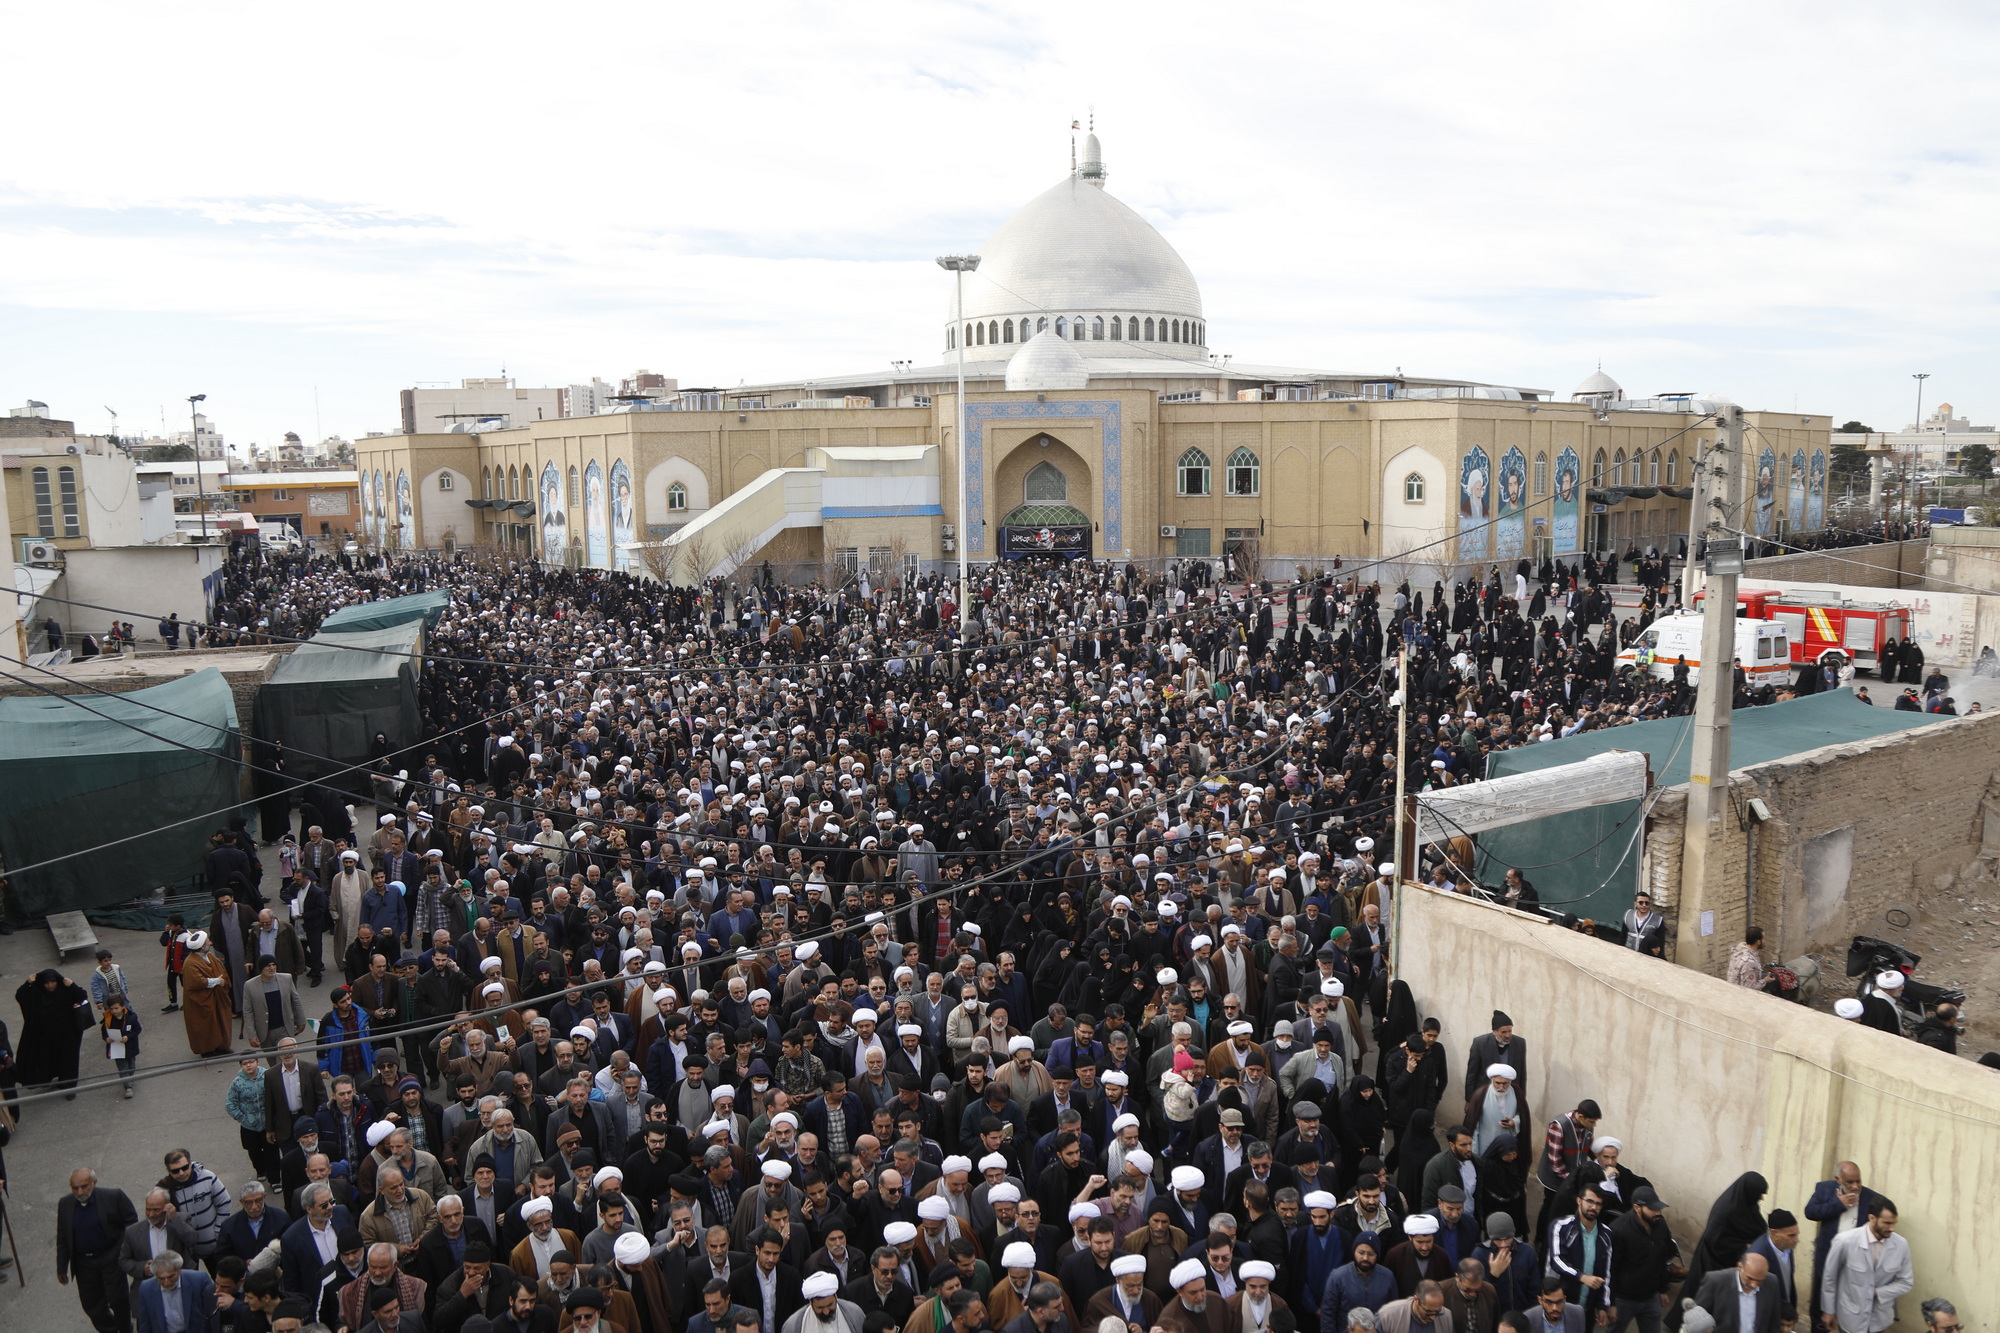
column 1820, row 622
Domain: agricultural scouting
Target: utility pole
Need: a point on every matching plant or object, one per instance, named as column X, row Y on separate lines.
column 200, row 483
column 1698, row 517
column 959, row 266
column 1720, row 478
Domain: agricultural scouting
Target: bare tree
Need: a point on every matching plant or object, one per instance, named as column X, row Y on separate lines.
column 657, row 559
column 692, row 562
column 899, row 559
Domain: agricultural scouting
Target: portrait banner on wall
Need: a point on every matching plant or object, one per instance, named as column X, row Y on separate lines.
column 596, row 518
column 367, row 505
column 381, row 532
column 1795, row 495
column 1475, row 505
column 555, row 526
column 1019, row 541
column 624, row 521
column 1511, row 531
column 1568, row 506
column 1816, row 491
column 1767, row 491
column 406, row 514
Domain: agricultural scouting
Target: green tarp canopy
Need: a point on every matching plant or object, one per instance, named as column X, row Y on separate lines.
column 327, row 700
column 1588, row 862
column 425, row 606
column 77, row 772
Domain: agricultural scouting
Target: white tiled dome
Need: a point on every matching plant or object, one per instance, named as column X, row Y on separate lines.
column 1075, row 252
column 1047, row 362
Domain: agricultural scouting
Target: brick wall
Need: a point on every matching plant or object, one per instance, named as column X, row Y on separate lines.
column 1912, row 801
column 1862, row 566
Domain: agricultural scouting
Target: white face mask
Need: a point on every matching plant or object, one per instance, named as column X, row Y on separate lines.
column 757, row 1086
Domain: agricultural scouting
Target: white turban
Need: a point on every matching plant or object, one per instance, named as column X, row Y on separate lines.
column 898, row 1233
column 1079, row 1211
column 1020, row 1254
column 1140, row 1160
column 631, row 1249
column 1188, row 1178
column 1499, row 1071
column 1847, row 1008
column 1186, row 1271
column 1319, row 1199
column 378, row 1131
column 1020, row 1044
column 992, row 1160
column 1421, row 1224
column 956, row 1163
column 1127, row 1264
column 933, row 1209
column 1127, row 1119
column 1259, row 1268
column 534, row 1208
column 1004, row 1192
column 777, row 1170
column 818, row 1286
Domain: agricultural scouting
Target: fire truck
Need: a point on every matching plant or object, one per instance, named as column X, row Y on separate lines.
column 1822, row 622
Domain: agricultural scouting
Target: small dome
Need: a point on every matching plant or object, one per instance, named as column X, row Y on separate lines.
column 1598, row 385
column 1047, row 362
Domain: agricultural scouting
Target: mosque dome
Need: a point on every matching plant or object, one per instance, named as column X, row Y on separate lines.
column 1598, row 385
column 1076, row 262
column 1047, row 362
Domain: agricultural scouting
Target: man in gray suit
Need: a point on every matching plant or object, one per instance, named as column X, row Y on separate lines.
column 145, row 1239
column 1554, row 1312
column 1867, row 1268
column 271, row 1008
column 1742, row 1299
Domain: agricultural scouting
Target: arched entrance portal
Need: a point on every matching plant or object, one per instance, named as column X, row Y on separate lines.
column 1047, row 479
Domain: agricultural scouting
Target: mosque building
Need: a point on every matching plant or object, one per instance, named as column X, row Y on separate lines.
column 1099, row 424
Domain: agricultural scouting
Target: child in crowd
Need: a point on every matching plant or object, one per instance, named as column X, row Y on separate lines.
column 171, row 940
column 120, row 1030
column 108, row 982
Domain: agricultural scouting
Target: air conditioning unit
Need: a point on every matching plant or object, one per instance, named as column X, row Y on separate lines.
column 73, row 449
column 1169, row 530
column 37, row 552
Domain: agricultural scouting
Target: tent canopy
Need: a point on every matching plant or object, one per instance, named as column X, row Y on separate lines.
column 425, row 606
column 82, row 772
column 1588, row 862
column 329, row 698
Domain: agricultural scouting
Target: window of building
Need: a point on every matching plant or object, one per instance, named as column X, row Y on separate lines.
column 66, row 484
column 1007, row 331
column 1541, row 474
column 284, row 493
column 45, row 503
column 575, row 492
column 677, row 498
column 1117, row 329
column 1192, row 542
column 1042, row 324
column 1413, row 488
column 1673, row 468
column 1097, row 329
column 486, row 483
column 1062, row 327
column 848, row 558
column 1653, row 468
column 1045, row 485
column 1149, row 331
column 1240, row 475
column 1618, row 468
column 513, row 484
column 1192, row 473
column 1597, row 468
column 950, row 339
column 993, row 332
column 979, row 335
column 1076, row 328
column 445, row 481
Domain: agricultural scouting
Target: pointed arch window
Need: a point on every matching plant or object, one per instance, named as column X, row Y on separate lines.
column 1042, row 324
column 1097, row 329
column 677, row 498
column 1117, row 329
column 1007, row 331
column 1653, row 468
column 1076, row 330
column 1541, row 474
column 1241, row 474
column 575, row 490
column 1191, row 473
column 1062, row 327
column 1045, row 485
column 1618, row 468
column 1597, row 468
column 486, row 483
column 1149, row 331
column 1674, row 468
column 1413, row 488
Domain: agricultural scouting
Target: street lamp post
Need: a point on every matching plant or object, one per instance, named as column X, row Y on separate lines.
column 194, row 429
column 1918, row 450
column 958, row 266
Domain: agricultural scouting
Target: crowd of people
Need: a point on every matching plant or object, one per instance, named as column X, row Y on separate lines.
column 765, row 959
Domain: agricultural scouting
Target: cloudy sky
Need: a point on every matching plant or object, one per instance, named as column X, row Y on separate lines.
column 1790, row 203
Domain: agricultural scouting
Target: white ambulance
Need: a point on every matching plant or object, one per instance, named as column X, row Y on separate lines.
column 1762, row 646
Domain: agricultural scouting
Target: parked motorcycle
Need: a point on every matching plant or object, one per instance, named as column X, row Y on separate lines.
column 1868, row 956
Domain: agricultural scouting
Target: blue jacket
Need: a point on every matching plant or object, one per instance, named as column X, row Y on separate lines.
column 1521, row 1285
column 331, row 1029
column 298, row 1257
column 244, row 1238
column 384, row 910
column 1312, row 1260
column 1347, row 1289
column 197, row 1297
